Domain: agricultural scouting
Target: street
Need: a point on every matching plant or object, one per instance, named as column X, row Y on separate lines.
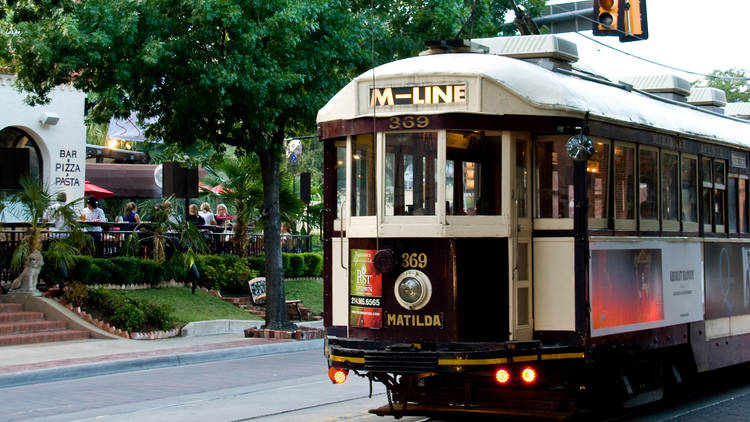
column 291, row 386
column 287, row 386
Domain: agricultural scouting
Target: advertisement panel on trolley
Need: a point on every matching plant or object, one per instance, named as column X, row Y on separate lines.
column 641, row 285
column 365, row 291
column 727, row 279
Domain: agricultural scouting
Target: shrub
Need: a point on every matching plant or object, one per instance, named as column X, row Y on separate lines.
column 128, row 317
column 157, row 315
column 130, row 314
column 257, row 263
column 296, row 266
column 76, row 294
column 313, row 264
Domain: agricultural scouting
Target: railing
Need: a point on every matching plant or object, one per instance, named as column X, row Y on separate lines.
column 109, row 243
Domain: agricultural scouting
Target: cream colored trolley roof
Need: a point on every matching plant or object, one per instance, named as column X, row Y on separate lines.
column 500, row 85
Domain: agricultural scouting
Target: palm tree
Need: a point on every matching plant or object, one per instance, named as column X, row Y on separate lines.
column 243, row 189
column 30, row 203
column 162, row 221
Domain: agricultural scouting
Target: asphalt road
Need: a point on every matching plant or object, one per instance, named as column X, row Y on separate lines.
column 285, row 387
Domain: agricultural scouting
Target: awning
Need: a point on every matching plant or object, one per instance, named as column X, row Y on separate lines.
column 96, row 191
column 125, row 180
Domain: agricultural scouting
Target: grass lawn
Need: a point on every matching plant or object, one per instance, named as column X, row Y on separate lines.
column 202, row 306
column 310, row 291
column 189, row 307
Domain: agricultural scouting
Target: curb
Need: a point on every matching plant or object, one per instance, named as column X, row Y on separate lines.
column 140, row 364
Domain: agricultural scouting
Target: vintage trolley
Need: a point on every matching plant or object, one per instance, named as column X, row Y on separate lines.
column 507, row 232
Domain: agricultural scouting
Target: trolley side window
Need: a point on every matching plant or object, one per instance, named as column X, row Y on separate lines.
column 624, row 189
column 689, row 193
column 732, row 205
column 648, row 188
column 597, row 172
column 410, row 179
column 554, row 179
column 742, row 204
column 670, row 194
column 720, row 195
column 472, row 174
column 363, row 175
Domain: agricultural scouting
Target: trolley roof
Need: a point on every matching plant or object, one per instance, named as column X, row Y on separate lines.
column 501, row 85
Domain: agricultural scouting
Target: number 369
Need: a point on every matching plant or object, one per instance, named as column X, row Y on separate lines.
column 409, row 122
column 413, row 260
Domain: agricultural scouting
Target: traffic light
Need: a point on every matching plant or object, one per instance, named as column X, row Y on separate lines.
column 622, row 18
column 606, row 12
column 635, row 25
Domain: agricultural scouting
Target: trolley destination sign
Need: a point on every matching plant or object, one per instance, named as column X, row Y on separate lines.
column 418, row 95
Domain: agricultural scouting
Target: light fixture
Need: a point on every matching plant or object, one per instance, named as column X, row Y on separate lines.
column 113, row 143
column 413, row 289
column 49, row 118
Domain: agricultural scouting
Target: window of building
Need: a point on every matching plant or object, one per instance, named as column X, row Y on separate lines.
column 648, row 188
column 689, row 192
column 597, row 172
column 624, row 187
column 670, row 204
column 554, row 178
column 410, row 166
column 363, row 175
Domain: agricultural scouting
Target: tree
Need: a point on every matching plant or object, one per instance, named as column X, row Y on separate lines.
column 243, row 189
column 734, row 82
column 234, row 72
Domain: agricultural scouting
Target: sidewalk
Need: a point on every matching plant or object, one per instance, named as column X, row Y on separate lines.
column 48, row 362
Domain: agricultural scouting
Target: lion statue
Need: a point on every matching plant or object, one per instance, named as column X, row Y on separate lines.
column 26, row 282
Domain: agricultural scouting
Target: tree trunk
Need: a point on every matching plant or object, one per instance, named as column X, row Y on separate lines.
column 276, row 318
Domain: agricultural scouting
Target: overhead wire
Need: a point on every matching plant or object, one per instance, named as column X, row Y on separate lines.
column 704, row 75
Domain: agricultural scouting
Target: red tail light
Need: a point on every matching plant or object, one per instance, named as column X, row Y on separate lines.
column 502, row 376
column 338, row 375
column 528, row 375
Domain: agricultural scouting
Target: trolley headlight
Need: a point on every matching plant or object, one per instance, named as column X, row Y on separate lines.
column 413, row 289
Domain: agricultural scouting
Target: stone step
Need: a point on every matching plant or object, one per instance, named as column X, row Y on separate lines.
column 44, row 336
column 30, row 326
column 20, row 316
column 11, row 307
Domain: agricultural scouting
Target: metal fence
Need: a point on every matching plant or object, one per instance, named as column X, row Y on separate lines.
column 109, row 243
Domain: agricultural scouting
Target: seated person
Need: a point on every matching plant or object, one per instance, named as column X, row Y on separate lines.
column 131, row 216
column 193, row 216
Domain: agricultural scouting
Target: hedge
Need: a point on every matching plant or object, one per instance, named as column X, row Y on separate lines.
column 226, row 273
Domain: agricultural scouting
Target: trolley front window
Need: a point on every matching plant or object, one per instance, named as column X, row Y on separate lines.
column 363, row 175
column 472, row 174
column 410, row 179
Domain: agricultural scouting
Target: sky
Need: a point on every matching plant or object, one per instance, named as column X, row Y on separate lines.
column 698, row 36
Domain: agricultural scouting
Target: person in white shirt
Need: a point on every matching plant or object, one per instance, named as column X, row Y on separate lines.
column 92, row 213
column 52, row 215
column 207, row 215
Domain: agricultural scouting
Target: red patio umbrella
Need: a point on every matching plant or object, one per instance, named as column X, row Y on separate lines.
column 97, row 191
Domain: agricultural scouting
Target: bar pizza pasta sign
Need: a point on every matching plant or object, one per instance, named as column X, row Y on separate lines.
column 418, row 95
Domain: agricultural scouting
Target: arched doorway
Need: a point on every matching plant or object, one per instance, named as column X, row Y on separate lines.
column 19, row 154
